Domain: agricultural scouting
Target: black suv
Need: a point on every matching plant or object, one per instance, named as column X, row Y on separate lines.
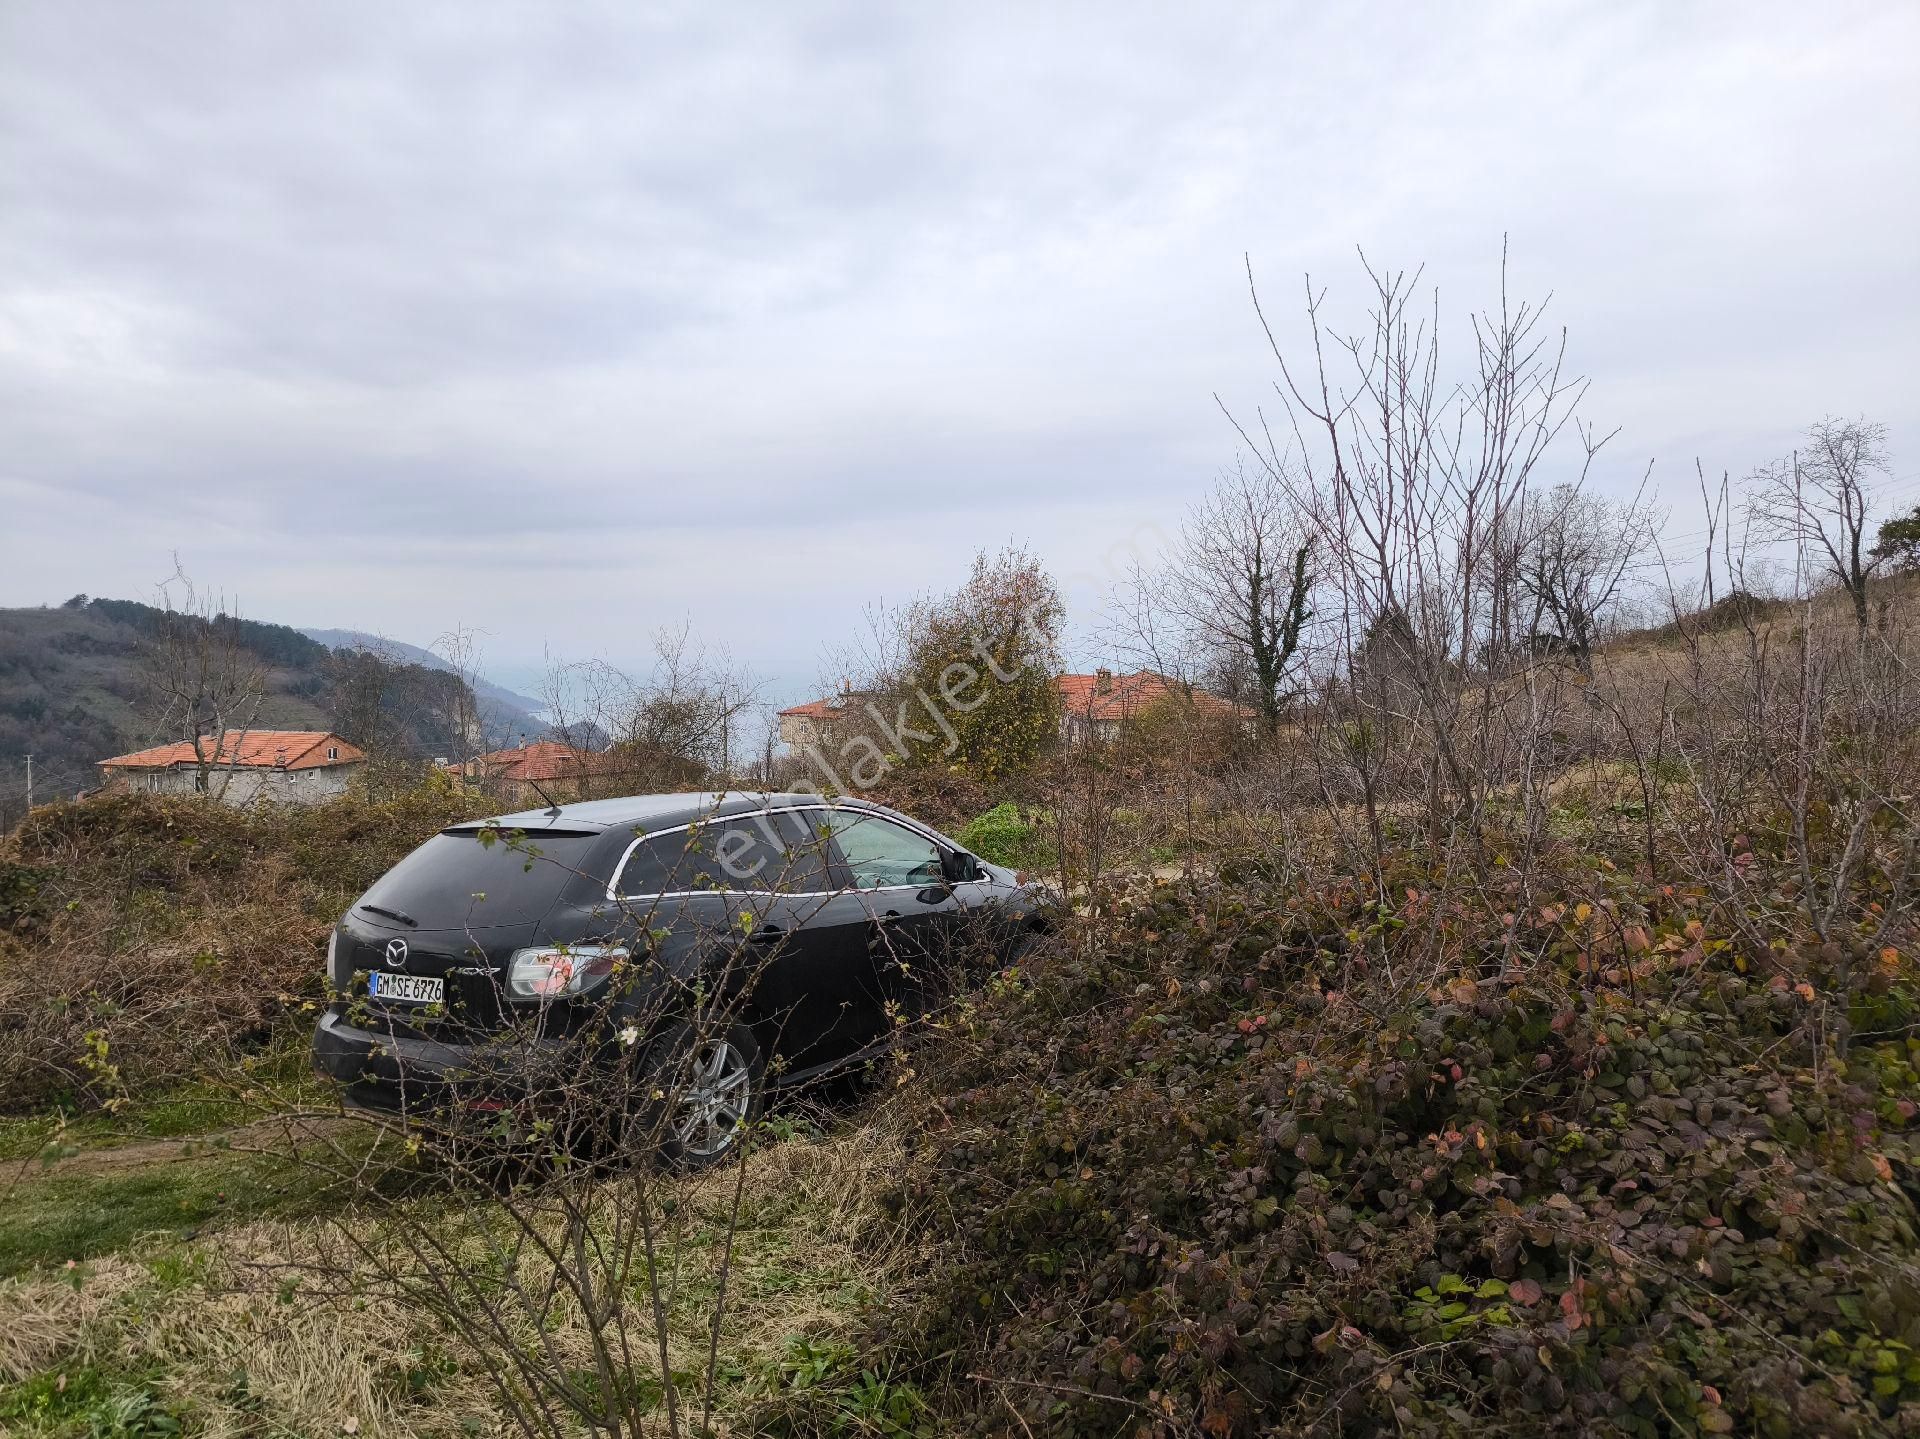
column 758, row 939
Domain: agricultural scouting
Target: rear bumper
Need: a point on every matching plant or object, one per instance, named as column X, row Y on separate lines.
column 387, row 1072
column 414, row 1077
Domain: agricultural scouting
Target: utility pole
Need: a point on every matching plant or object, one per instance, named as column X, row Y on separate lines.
column 29, row 784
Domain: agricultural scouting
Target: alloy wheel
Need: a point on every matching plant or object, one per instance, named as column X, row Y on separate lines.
column 716, row 1100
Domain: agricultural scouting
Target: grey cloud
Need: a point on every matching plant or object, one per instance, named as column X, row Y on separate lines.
column 500, row 281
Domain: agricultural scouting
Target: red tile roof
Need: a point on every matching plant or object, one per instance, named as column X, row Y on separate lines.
column 252, row 749
column 815, row 709
column 1122, row 695
column 542, row 760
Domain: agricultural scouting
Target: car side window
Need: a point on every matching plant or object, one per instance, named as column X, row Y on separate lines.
column 881, row 854
column 777, row 853
column 757, row 854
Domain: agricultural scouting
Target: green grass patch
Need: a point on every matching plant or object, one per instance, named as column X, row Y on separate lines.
column 78, row 1209
column 57, row 1216
column 268, row 1083
column 176, row 1116
column 80, row 1400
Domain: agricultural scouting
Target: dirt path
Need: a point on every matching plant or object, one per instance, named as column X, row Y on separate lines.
column 258, row 1134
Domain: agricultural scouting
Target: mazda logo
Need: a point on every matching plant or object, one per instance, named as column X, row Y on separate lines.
column 397, row 953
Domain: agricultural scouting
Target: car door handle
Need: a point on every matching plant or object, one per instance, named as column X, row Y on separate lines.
column 892, row 916
column 767, row 934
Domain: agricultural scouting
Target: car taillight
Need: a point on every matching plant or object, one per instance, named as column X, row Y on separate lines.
column 556, row 971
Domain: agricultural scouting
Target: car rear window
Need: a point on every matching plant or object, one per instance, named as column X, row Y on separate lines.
column 455, row 880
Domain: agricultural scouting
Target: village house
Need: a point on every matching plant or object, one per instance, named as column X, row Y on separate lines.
column 1095, row 706
column 813, row 723
column 274, row 766
column 1092, row 706
column 517, row 776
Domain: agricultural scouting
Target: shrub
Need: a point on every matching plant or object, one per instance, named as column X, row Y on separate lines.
column 145, row 939
column 1003, row 836
column 943, row 798
column 1230, row 1172
column 20, row 895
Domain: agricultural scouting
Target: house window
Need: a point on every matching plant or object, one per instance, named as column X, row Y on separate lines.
column 333, row 752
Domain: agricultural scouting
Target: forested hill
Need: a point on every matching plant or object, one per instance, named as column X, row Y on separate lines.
column 503, row 708
column 71, row 694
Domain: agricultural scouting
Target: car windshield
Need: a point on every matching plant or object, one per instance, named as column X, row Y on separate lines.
column 470, row 878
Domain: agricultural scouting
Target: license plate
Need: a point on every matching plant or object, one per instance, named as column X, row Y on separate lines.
column 406, row 988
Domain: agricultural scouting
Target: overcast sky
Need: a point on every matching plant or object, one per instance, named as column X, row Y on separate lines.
column 565, row 322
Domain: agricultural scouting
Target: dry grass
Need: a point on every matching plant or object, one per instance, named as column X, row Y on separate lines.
column 229, row 1328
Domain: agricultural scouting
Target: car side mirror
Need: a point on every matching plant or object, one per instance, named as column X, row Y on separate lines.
column 959, row 867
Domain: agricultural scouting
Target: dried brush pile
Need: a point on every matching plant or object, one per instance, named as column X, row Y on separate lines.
column 146, row 939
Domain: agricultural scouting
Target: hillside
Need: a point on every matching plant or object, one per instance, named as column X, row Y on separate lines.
column 1578, row 1095
column 502, row 711
column 70, row 694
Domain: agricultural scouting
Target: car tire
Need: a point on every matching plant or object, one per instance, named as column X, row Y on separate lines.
column 706, row 1089
column 1022, row 945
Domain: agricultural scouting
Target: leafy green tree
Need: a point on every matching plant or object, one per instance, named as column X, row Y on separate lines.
column 1899, row 542
column 978, row 688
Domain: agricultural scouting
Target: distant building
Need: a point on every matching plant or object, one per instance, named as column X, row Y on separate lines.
column 275, row 766
column 1092, row 706
column 1095, row 706
column 512, row 774
column 813, row 723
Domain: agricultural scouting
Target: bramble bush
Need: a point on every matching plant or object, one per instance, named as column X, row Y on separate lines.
column 1272, row 1161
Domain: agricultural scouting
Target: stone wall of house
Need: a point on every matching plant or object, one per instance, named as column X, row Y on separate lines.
column 253, row 786
column 797, row 732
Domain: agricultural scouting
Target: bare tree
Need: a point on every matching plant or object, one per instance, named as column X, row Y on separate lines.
column 1232, row 600
column 1577, row 554
column 460, row 648
column 1413, row 487
column 582, row 699
column 200, row 677
column 686, row 716
column 358, row 684
column 679, row 726
column 1822, row 498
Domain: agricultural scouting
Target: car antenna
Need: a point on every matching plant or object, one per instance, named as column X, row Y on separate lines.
column 553, row 805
